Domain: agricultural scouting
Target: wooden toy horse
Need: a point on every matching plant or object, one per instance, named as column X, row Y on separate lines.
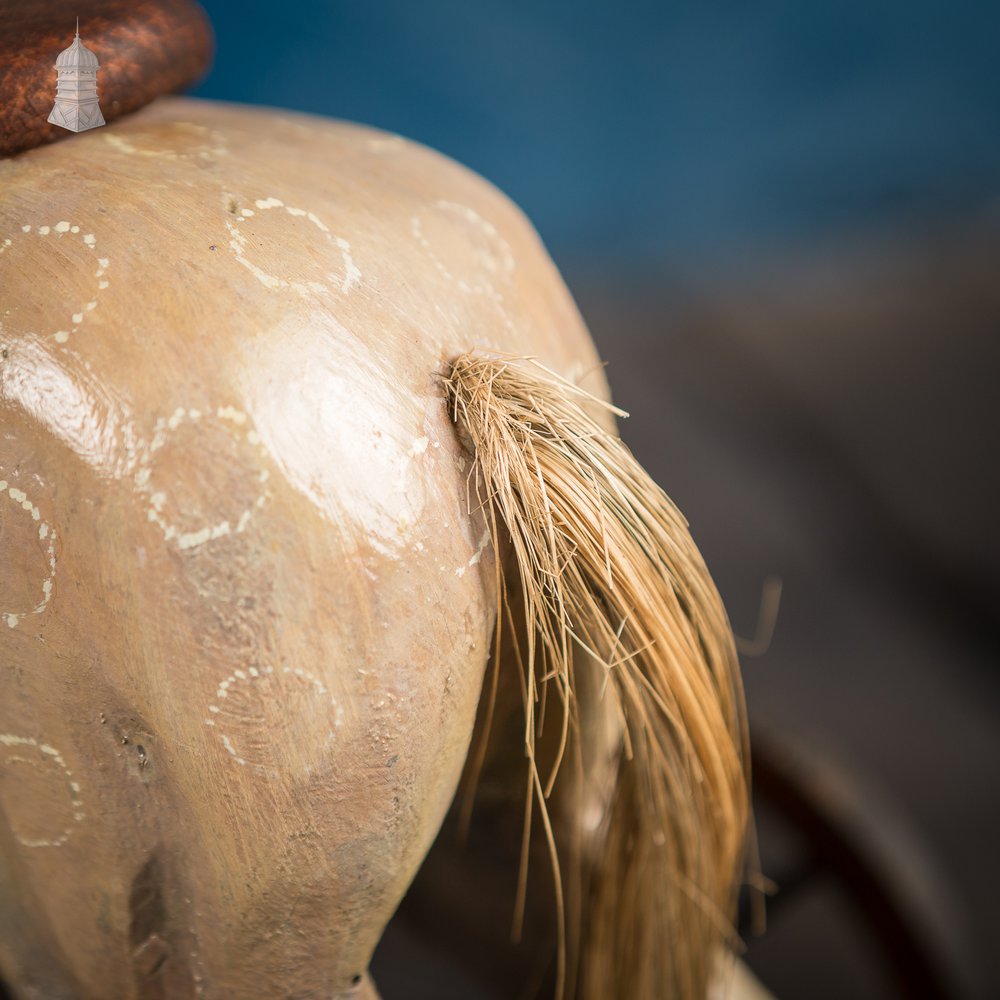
column 296, row 419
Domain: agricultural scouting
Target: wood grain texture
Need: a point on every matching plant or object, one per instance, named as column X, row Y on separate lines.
column 146, row 48
column 243, row 638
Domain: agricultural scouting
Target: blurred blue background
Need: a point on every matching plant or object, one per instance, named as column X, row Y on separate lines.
column 650, row 134
column 782, row 224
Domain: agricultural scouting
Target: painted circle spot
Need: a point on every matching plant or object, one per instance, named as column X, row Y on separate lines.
column 464, row 247
column 38, row 793
column 271, row 223
column 170, row 141
column 187, row 475
column 23, row 531
column 76, row 275
column 258, row 711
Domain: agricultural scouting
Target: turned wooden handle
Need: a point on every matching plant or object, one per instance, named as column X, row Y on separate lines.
column 146, row 48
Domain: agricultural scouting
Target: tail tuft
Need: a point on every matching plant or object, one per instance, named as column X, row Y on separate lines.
column 605, row 564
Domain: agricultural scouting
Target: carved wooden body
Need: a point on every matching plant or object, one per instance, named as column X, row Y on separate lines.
column 244, row 609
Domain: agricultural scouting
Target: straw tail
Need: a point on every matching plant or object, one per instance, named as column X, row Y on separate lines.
column 599, row 561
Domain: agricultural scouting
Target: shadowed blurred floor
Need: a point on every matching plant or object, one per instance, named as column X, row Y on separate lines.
column 831, row 419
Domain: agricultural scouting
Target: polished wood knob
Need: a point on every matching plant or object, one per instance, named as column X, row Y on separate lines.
column 145, row 47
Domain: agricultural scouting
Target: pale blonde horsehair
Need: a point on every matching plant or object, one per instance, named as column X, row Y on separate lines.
column 606, row 564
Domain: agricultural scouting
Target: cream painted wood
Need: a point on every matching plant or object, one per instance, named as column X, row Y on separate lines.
column 244, row 608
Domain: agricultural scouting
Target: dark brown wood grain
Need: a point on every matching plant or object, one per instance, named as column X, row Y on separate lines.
column 146, row 48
